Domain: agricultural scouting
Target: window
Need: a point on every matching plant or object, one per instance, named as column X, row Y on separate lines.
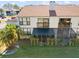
column 22, row 29
column 28, row 21
column 40, row 19
column 27, row 31
column 21, row 21
column 24, row 21
column 39, row 24
column 43, row 23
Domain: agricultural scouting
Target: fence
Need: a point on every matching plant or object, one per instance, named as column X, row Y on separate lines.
column 37, row 42
column 51, row 41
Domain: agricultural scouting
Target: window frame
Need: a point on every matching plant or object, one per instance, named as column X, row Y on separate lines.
column 27, row 30
column 43, row 22
column 21, row 21
column 24, row 20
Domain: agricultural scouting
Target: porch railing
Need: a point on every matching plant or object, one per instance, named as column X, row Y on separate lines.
column 51, row 41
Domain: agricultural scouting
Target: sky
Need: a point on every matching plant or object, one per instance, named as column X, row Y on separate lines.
column 23, row 3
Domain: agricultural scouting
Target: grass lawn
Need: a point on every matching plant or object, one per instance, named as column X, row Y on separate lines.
column 47, row 52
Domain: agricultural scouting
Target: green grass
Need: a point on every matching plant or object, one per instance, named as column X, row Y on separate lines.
column 45, row 52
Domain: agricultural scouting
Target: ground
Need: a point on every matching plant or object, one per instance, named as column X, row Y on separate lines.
column 45, row 51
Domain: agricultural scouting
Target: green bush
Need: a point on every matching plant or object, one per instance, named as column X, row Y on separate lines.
column 10, row 34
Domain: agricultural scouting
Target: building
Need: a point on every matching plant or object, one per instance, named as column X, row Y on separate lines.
column 58, row 21
column 8, row 12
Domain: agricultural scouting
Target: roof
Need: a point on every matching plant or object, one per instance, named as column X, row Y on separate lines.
column 34, row 11
column 43, row 10
column 69, row 10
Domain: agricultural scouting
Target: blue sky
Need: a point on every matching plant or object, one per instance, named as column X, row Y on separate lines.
column 23, row 3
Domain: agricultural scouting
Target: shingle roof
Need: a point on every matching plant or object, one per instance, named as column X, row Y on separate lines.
column 34, row 11
column 71, row 10
column 43, row 10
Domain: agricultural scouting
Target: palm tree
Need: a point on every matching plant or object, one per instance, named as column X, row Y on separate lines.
column 10, row 35
column 2, row 33
column 16, row 32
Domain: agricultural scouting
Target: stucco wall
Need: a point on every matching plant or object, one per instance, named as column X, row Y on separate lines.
column 53, row 22
column 75, row 22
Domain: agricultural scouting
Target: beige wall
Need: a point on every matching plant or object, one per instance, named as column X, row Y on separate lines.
column 75, row 21
column 53, row 22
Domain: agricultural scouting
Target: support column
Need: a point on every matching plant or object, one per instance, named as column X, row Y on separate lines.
column 41, row 41
column 55, row 36
column 37, row 39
